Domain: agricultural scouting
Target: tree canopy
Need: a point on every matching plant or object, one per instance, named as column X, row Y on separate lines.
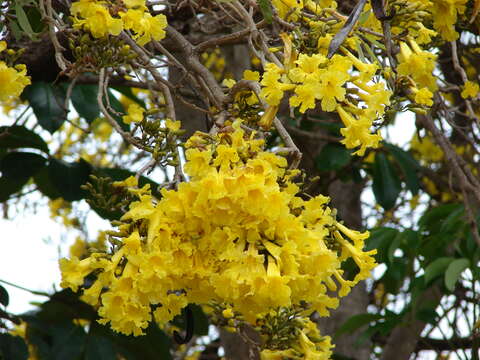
column 244, row 154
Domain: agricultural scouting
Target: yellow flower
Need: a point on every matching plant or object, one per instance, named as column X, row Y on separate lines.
column 93, row 16
column 135, row 4
column 78, row 248
column 198, row 162
column 145, row 26
column 173, row 125
column 251, row 75
column 366, row 70
column 131, row 181
column 135, row 114
column 12, row 81
column 331, row 88
column 273, row 89
column 357, row 132
column 226, row 155
column 228, row 313
column 418, row 64
column 307, row 67
column 288, row 7
column 470, row 89
column 74, row 271
column 236, row 234
column 425, row 149
column 445, row 14
column 423, row 35
column 228, row 83
column 319, row 84
column 423, row 96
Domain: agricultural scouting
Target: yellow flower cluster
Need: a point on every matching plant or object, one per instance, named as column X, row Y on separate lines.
column 426, row 150
column 445, row 14
column 418, row 64
column 314, row 77
column 12, row 79
column 100, row 19
column 237, row 233
column 441, row 14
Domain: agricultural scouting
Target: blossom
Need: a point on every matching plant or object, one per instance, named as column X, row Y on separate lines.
column 425, row 149
column 418, row 64
column 470, row 89
column 12, row 80
column 357, row 132
column 145, row 26
column 95, row 17
column 423, row 96
column 319, row 81
column 135, row 114
column 445, row 13
column 236, row 233
column 288, row 7
column 173, row 125
column 273, row 89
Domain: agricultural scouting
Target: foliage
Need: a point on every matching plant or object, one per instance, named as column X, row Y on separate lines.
column 228, row 144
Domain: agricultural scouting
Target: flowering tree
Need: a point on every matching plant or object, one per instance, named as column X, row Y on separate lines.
column 228, row 143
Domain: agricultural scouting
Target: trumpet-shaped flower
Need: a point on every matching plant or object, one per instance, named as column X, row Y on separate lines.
column 12, row 80
column 237, row 233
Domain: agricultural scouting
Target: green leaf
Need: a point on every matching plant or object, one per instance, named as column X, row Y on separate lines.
column 23, row 21
column 154, row 345
column 266, row 9
column 380, row 239
column 332, row 157
column 395, row 274
column 10, row 186
column 68, row 177
column 454, row 220
column 15, row 29
column 434, row 216
column 394, row 245
column 436, row 268
column 13, row 137
column 355, row 322
column 408, row 165
column 45, row 184
column 84, row 100
column 99, row 346
column 12, row 347
column 386, row 185
column 38, row 335
column 21, row 165
column 427, row 314
column 454, row 270
column 4, row 298
column 47, row 102
column 411, row 239
column 35, row 19
column 68, row 340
